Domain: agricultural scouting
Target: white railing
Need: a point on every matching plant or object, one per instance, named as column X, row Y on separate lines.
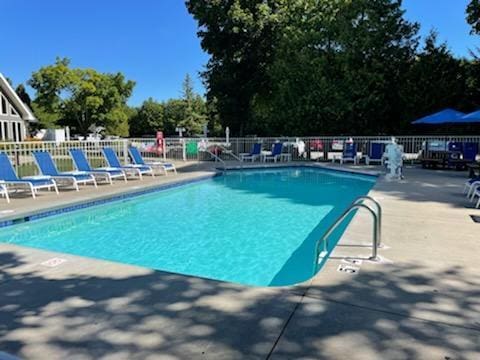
column 20, row 153
column 320, row 148
column 317, row 148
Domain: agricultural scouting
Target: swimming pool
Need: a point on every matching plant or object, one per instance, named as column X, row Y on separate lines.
column 254, row 227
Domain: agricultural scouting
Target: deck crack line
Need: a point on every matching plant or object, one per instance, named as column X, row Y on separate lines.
column 287, row 322
column 391, row 313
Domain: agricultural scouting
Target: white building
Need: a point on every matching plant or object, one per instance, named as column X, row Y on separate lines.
column 14, row 114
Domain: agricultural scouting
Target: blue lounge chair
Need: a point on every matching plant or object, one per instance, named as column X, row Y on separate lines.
column 276, row 153
column 82, row 164
column 114, row 162
column 254, row 154
column 8, row 176
column 375, row 153
column 349, row 153
column 138, row 160
column 47, row 166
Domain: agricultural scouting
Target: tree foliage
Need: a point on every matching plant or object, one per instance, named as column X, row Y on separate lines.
column 324, row 66
column 82, row 97
column 473, row 15
column 189, row 111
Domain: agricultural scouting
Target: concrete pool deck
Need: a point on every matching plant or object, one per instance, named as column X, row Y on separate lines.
column 422, row 301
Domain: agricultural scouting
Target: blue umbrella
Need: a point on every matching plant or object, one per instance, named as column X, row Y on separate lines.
column 442, row 117
column 473, row 117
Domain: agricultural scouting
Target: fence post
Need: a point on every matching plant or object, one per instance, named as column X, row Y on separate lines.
column 184, row 153
column 125, row 151
column 164, row 149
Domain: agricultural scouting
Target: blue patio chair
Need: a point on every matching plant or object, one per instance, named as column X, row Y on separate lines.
column 138, row 160
column 82, row 164
column 276, row 153
column 47, row 166
column 375, row 153
column 252, row 155
column 114, row 162
column 470, row 151
column 8, row 176
column 349, row 153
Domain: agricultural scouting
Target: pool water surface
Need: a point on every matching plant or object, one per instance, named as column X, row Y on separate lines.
column 254, row 227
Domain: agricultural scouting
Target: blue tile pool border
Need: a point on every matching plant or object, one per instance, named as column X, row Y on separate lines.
column 114, row 198
column 160, row 188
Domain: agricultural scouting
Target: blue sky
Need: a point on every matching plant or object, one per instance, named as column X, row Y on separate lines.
column 153, row 42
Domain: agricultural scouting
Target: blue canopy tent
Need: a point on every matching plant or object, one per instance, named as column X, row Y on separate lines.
column 447, row 116
column 471, row 118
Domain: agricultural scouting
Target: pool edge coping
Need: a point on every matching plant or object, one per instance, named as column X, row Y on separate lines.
column 13, row 219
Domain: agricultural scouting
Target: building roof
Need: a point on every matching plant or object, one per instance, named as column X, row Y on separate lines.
column 23, row 110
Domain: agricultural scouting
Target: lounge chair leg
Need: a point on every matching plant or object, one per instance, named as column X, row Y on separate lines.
column 33, row 191
column 95, row 182
column 125, row 177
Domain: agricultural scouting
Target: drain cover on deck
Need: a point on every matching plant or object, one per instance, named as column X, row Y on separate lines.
column 53, row 262
column 475, row 218
column 348, row 269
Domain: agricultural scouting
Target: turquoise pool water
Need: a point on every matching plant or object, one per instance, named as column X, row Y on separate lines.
column 255, row 227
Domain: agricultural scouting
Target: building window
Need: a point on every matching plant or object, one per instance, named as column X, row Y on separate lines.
column 3, row 107
column 13, row 111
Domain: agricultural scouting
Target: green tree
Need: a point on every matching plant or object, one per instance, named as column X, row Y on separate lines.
column 148, row 119
column 194, row 113
column 436, row 80
column 23, row 95
column 239, row 36
column 337, row 69
column 83, row 97
column 473, row 15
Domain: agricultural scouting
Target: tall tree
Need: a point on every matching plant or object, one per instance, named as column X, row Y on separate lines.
column 83, row 97
column 473, row 15
column 338, row 68
column 436, row 80
column 194, row 108
column 239, row 36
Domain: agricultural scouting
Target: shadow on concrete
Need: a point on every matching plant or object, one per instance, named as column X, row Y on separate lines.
column 160, row 315
column 399, row 312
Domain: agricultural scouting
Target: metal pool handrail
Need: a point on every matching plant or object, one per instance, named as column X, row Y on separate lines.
column 362, row 199
column 357, row 204
column 217, row 158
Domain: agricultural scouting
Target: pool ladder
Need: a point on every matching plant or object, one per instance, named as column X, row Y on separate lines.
column 359, row 203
